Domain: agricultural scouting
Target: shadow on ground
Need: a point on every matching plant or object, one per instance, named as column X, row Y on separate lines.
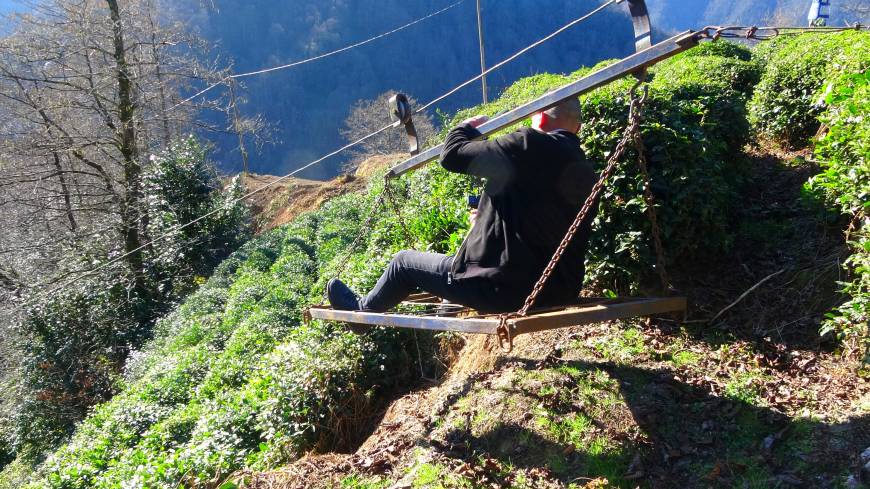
column 676, row 434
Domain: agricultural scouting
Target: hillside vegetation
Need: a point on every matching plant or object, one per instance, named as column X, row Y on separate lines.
column 234, row 379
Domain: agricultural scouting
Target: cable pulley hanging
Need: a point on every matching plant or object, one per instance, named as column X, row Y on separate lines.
column 402, row 115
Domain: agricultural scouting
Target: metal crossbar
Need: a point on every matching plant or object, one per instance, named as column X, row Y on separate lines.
column 632, row 64
column 553, row 318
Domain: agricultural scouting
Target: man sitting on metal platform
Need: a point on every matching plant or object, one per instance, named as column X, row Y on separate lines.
column 537, row 179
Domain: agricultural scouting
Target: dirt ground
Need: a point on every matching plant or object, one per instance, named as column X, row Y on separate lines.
column 282, row 201
column 615, row 405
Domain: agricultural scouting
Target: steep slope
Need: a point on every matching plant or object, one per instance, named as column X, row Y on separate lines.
column 282, row 202
column 235, row 380
column 743, row 402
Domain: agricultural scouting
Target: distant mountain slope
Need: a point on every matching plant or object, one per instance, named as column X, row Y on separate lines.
column 308, row 104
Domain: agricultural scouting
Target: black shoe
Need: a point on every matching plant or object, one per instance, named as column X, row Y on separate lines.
column 343, row 299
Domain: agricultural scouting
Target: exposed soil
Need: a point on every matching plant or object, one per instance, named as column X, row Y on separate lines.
column 281, row 202
column 754, row 398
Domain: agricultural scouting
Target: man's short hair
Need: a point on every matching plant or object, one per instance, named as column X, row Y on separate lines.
column 568, row 109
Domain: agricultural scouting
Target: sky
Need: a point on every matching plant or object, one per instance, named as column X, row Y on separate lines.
column 8, row 5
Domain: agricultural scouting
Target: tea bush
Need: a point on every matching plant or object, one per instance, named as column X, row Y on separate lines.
column 232, row 378
column 821, row 80
column 694, row 129
column 845, row 182
column 787, row 103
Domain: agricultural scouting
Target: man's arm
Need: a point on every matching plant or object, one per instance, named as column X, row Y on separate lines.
column 464, row 152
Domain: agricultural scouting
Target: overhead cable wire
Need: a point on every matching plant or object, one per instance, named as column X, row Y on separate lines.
column 517, row 54
column 319, row 56
column 176, row 229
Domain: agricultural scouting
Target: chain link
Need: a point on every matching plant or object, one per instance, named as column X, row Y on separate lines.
column 766, row 33
column 385, row 196
column 634, row 117
column 388, row 191
column 651, row 210
column 363, row 231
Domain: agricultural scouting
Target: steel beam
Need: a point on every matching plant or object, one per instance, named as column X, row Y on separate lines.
column 460, row 325
column 631, row 64
column 573, row 316
column 596, row 314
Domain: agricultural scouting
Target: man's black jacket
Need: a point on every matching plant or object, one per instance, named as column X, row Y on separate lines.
column 536, row 183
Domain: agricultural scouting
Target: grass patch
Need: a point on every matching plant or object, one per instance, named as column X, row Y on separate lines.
column 627, row 345
column 685, row 358
column 357, row 482
column 745, row 387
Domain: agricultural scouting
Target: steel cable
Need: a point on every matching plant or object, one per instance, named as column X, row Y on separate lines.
column 318, row 57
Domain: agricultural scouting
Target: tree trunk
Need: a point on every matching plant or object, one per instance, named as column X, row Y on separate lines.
column 64, row 188
column 158, row 73
column 127, row 144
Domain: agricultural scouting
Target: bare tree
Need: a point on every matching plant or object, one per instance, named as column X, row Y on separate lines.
column 88, row 90
column 87, row 87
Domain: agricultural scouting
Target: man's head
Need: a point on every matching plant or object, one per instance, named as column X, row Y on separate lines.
column 564, row 115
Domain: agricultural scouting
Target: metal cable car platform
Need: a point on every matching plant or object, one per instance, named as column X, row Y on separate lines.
column 422, row 311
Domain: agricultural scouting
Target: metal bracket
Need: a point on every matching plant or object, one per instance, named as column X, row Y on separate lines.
column 401, row 114
column 640, row 22
column 642, row 30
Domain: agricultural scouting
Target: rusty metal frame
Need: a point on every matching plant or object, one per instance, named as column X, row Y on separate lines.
column 448, row 319
column 571, row 316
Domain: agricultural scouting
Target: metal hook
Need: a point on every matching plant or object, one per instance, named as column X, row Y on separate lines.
column 503, row 332
column 633, row 92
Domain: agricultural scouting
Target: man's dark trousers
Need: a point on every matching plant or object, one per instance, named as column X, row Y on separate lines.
column 413, row 270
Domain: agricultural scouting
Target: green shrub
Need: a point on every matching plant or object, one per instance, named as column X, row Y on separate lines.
column 231, row 379
column 78, row 343
column 785, row 107
column 695, row 125
column 182, row 185
column 719, row 48
column 77, row 340
column 845, row 182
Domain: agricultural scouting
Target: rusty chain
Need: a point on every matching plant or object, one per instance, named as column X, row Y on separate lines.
column 386, row 196
column 651, row 209
column 363, row 230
